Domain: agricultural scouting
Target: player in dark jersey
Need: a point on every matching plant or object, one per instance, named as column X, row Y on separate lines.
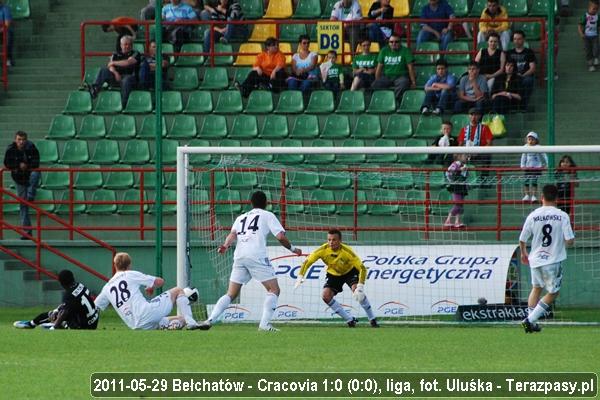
column 77, row 310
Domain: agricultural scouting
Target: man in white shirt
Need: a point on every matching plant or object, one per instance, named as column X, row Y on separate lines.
column 552, row 232
column 250, row 259
column 123, row 292
column 349, row 10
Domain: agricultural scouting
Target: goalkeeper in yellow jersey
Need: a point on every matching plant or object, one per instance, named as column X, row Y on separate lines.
column 343, row 266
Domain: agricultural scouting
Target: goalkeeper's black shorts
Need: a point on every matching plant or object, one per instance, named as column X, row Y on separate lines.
column 336, row 283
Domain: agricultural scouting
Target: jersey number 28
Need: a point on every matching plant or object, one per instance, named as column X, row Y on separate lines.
column 122, row 294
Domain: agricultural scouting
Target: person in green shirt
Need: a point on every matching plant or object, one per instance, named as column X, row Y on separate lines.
column 395, row 68
column 363, row 67
column 331, row 73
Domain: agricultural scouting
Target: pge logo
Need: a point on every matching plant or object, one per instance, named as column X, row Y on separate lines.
column 287, row 311
column 236, row 313
column 444, row 307
column 393, row 308
column 348, row 308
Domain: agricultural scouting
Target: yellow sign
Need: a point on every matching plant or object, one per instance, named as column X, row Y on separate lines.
column 329, row 35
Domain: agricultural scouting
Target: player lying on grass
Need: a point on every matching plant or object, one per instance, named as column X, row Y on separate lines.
column 77, row 310
column 250, row 259
column 343, row 266
column 552, row 232
column 123, row 291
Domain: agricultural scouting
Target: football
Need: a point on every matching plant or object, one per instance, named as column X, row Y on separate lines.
column 191, row 294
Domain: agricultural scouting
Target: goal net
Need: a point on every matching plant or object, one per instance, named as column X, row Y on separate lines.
column 439, row 243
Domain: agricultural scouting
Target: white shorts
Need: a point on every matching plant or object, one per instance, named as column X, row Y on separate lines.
column 547, row 276
column 157, row 309
column 245, row 269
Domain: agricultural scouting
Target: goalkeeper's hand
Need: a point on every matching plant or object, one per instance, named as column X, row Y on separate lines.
column 299, row 281
column 222, row 249
column 359, row 292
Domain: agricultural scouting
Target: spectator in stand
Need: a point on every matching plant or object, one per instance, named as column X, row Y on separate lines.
column 491, row 60
column 6, row 20
column 457, row 175
column 439, row 31
column 363, row 67
column 566, row 180
column 197, row 6
column 395, row 68
column 444, row 140
column 148, row 13
column 21, row 158
column 507, row 90
column 148, row 68
column 477, row 134
column 588, row 30
column 174, row 12
column 532, row 164
column 525, row 63
column 347, row 11
column 491, row 17
column 331, row 73
column 224, row 11
column 122, row 69
column 380, row 33
column 123, row 26
column 439, row 90
column 472, row 91
column 268, row 71
column 305, row 72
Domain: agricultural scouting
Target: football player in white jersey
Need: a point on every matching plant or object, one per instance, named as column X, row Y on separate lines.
column 123, row 291
column 552, row 232
column 250, row 259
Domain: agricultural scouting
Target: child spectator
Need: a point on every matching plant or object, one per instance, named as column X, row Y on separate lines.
column 457, row 175
column 588, row 30
column 444, row 140
column 363, row 67
column 566, row 180
column 331, row 74
column 532, row 163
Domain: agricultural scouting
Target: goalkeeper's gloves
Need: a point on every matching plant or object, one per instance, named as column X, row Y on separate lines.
column 359, row 293
column 299, row 281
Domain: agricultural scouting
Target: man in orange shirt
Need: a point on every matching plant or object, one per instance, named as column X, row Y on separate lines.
column 123, row 26
column 268, row 71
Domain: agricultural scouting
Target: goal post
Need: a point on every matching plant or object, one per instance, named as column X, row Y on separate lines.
column 392, row 205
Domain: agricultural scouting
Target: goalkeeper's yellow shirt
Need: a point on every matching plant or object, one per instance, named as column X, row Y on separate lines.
column 338, row 262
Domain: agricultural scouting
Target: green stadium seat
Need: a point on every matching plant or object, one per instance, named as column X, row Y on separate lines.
column 242, row 180
column 199, row 159
column 167, row 50
column 150, row 182
column 414, row 158
column 351, row 102
column 389, row 202
column 185, row 78
column 460, row 7
column 139, row 102
column 78, row 197
column 463, row 58
column 441, row 209
column 168, row 151
column 75, row 152
column 532, row 30
column 326, row 14
column 290, row 158
column 427, row 58
column 305, row 127
column 260, row 157
column 205, row 178
column 183, row 127
column 348, row 197
column 412, row 100
column 228, row 202
column 320, row 158
column 367, row 127
column 213, row 127
column 516, row 8
column 136, row 152
column 259, row 102
column 44, row 199
column 229, row 102
column 382, row 102
column 223, row 60
column 253, row 9
column 62, row 127
column 92, row 128
column 78, row 103
column 383, row 158
column 336, row 127
column 458, row 122
column 135, row 197
column 437, row 179
column 419, row 207
column 274, row 127
column 122, row 179
column 122, row 127
column 240, row 75
column 321, row 199
column 108, row 102
column 199, row 102
column 169, row 202
column 91, row 73
column 477, row 8
column 423, row 73
column 295, row 196
column 417, row 5
column 303, row 179
column 428, row 126
column 352, row 158
column 215, row 78
column 290, row 102
column 231, row 157
column 457, row 70
column 55, row 180
column 308, row 9
column 244, row 127
column 312, row 31
column 291, row 32
column 201, row 196
column 103, row 195
column 320, row 102
column 89, row 179
column 540, row 8
column 148, row 129
column 399, row 126
column 48, row 150
column 171, row 102
column 335, row 181
column 187, row 60
column 399, row 179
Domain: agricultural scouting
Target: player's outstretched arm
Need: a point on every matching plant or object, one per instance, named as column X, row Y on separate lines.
column 228, row 242
column 158, row 282
column 285, row 242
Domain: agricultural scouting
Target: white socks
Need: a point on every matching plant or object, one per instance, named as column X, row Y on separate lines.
column 339, row 310
column 367, row 307
column 183, row 305
column 221, row 305
column 539, row 310
column 269, row 307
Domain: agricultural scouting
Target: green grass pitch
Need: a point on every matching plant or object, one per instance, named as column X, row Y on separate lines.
column 57, row 364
